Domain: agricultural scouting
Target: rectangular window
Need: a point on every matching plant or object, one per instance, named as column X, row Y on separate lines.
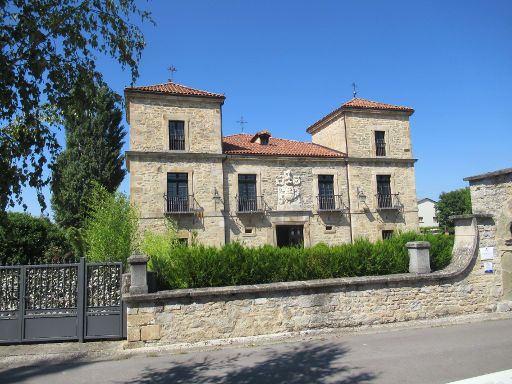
column 183, row 241
column 326, row 192
column 420, row 219
column 177, row 135
column 247, row 199
column 384, row 198
column 380, row 143
column 177, row 192
column 387, row 234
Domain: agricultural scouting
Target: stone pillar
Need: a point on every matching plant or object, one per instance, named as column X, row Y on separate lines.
column 138, row 270
column 419, row 257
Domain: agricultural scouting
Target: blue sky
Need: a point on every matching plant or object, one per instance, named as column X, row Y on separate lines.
column 285, row 64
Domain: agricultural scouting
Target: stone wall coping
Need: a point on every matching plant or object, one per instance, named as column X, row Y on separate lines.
column 138, row 259
column 471, row 215
column 487, row 175
column 289, row 286
column 418, row 244
column 464, row 251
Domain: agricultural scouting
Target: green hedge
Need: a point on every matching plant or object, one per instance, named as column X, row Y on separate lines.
column 199, row 266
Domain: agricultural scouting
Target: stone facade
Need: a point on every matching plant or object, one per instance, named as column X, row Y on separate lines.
column 149, row 114
column 491, row 194
column 331, row 228
column 367, row 220
column 212, row 174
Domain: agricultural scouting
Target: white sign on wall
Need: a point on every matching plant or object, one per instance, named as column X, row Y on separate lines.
column 487, row 253
column 488, row 267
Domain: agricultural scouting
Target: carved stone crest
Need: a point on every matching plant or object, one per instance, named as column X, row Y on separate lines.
column 288, row 191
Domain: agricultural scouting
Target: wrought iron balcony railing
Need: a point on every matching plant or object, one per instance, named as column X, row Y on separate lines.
column 389, row 201
column 329, row 203
column 181, row 204
column 177, row 142
column 381, row 148
column 250, row 204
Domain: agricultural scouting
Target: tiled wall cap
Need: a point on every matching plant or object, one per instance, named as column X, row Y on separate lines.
column 138, row 259
column 417, row 244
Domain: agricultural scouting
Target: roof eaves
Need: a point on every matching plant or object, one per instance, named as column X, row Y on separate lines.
column 391, row 109
column 324, row 119
column 497, row 173
column 280, row 155
column 345, row 107
column 156, row 92
column 426, row 199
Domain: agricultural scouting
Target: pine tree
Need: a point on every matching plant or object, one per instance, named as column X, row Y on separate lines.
column 94, row 140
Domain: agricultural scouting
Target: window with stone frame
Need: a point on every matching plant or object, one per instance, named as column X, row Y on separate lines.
column 247, row 196
column 326, row 192
column 177, row 192
column 384, row 196
column 380, row 143
column 176, row 135
column 387, row 234
column 183, row 241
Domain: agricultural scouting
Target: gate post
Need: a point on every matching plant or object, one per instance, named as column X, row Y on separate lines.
column 80, row 305
column 138, row 270
column 21, row 315
column 419, row 258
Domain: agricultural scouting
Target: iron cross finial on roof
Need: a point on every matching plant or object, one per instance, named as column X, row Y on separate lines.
column 354, row 91
column 242, row 122
column 172, row 69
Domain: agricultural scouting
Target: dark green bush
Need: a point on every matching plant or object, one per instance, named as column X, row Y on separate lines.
column 27, row 239
column 199, row 266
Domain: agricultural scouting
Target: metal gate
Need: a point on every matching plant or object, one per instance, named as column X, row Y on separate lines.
column 56, row 302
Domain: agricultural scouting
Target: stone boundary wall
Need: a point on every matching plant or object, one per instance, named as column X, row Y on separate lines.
column 207, row 314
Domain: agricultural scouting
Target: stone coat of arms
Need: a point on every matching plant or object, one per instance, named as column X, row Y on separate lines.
column 288, row 191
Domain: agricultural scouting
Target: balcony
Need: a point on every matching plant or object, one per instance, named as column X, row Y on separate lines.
column 250, row 204
column 330, row 203
column 181, row 205
column 380, row 147
column 388, row 201
column 177, row 142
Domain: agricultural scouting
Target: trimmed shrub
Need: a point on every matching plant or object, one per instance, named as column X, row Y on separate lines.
column 178, row 266
column 27, row 239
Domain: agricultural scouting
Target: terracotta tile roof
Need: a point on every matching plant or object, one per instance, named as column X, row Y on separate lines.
column 174, row 89
column 357, row 103
column 241, row 145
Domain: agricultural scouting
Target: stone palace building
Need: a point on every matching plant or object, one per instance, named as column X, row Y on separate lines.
column 355, row 179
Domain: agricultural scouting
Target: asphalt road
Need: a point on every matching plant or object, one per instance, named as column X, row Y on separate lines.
column 428, row 355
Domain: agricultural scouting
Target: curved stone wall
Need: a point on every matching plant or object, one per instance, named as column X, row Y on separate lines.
column 205, row 314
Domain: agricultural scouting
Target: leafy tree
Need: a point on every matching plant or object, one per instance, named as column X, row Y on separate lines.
column 111, row 228
column 27, row 239
column 94, row 140
column 46, row 45
column 456, row 202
